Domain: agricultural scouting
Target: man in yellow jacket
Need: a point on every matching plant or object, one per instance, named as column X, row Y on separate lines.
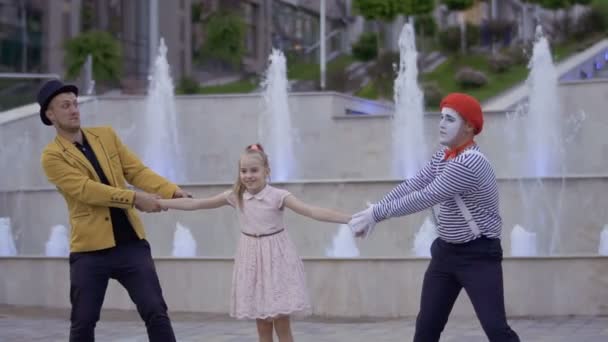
column 91, row 168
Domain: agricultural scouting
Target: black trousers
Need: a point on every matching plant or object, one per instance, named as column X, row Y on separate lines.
column 475, row 266
column 132, row 266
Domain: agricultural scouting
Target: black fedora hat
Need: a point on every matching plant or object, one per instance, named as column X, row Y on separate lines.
column 48, row 91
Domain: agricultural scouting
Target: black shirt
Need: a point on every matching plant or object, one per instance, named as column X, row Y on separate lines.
column 122, row 228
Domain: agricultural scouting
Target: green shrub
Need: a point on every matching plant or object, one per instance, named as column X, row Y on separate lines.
column 426, row 25
column 104, row 50
column 188, row 85
column 225, row 38
column 499, row 63
column 337, row 80
column 366, row 48
column 432, row 94
column 449, row 39
column 384, row 73
column 471, row 78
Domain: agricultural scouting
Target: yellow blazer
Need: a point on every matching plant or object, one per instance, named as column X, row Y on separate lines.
column 88, row 199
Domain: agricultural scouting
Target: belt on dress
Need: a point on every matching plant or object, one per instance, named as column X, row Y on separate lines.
column 263, row 235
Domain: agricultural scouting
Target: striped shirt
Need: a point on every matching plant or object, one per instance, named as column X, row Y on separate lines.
column 469, row 175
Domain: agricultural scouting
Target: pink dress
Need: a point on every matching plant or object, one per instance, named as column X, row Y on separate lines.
column 268, row 278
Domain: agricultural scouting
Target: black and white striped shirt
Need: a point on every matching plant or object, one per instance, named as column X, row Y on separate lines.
column 469, row 175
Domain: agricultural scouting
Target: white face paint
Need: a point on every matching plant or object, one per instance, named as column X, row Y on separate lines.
column 451, row 127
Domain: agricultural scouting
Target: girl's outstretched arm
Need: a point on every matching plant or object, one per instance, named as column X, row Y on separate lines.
column 195, row 203
column 317, row 213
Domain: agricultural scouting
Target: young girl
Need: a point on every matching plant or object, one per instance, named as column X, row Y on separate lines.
column 268, row 281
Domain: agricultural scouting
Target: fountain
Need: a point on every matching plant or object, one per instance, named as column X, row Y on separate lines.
column 603, row 248
column 523, row 242
column 539, row 125
column 158, row 128
column 58, row 243
column 424, row 239
column 89, row 82
column 274, row 128
column 409, row 147
column 184, row 245
column 544, row 134
column 13, row 163
column 343, row 244
column 7, row 244
column 89, row 86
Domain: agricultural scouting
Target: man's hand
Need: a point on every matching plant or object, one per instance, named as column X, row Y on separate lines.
column 179, row 193
column 362, row 223
column 146, row 202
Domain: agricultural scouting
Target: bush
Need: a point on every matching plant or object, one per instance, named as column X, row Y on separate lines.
column 337, row 80
column 366, row 48
column 499, row 63
column 425, row 25
column 187, row 85
column 592, row 21
column 368, row 92
column 384, row 73
column 498, row 30
column 432, row 94
column 225, row 39
column 518, row 54
column 473, row 34
column 601, row 10
column 471, row 78
column 449, row 39
column 104, row 50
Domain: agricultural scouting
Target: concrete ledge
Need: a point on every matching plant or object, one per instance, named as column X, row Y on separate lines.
column 370, row 287
column 344, row 181
column 575, row 229
column 29, row 110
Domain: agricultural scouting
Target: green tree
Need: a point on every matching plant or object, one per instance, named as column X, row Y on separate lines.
column 581, row 2
column 460, row 6
column 417, row 7
column 558, row 4
column 388, row 10
column 104, row 49
column 225, row 38
column 385, row 10
column 552, row 4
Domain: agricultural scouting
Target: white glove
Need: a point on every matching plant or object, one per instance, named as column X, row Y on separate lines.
column 362, row 223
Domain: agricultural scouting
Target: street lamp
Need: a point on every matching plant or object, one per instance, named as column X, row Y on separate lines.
column 322, row 43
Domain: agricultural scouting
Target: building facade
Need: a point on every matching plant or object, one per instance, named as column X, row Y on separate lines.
column 33, row 33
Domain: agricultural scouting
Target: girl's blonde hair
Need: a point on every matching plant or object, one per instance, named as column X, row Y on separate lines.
column 239, row 187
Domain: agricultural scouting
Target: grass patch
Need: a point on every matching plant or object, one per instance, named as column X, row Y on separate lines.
column 444, row 76
column 369, row 91
column 242, row 86
column 566, row 49
column 312, row 71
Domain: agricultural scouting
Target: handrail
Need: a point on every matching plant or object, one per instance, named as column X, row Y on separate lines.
column 327, row 37
column 26, row 75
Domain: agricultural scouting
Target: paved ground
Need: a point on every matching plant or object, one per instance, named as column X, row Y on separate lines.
column 34, row 324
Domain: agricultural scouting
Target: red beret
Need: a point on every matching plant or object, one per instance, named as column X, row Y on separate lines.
column 468, row 108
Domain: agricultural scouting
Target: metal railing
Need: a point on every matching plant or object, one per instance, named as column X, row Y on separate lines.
column 18, row 89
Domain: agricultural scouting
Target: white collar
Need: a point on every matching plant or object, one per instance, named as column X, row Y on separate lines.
column 260, row 195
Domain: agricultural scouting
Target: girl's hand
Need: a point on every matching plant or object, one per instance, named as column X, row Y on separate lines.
column 163, row 205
